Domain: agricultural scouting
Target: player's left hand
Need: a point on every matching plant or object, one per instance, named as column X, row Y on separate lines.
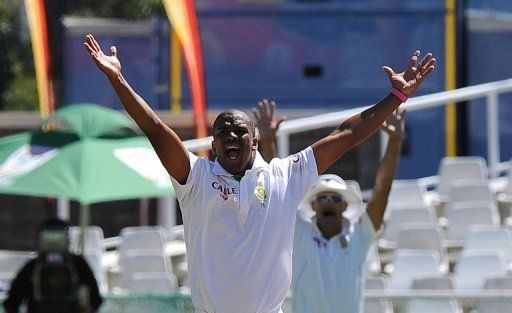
column 411, row 79
column 265, row 116
column 394, row 126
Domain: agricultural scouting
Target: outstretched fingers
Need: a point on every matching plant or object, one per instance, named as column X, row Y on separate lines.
column 425, row 60
column 113, row 51
column 413, row 61
column 92, row 41
column 429, row 64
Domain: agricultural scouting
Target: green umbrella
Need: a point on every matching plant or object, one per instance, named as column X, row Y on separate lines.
column 88, row 171
column 85, row 153
column 92, row 154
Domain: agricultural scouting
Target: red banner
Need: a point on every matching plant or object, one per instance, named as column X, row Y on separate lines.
column 182, row 15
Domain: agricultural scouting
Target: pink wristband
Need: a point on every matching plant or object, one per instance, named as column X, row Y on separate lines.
column 400, row 95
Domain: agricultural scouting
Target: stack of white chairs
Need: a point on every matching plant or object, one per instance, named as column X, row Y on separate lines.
column 10, row 263
column 433, row 305
column 460, row 217
column 456, row 169
column 142, row 259
column 409, row 265
column 475, row 266
column 501, row 305
column 93, row 251
column 377, row 282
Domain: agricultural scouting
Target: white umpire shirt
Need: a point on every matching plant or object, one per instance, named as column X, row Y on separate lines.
column 239, row 234
column 328, row 275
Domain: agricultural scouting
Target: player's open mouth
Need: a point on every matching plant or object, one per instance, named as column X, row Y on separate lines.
column 329, row 214
column 232, row 153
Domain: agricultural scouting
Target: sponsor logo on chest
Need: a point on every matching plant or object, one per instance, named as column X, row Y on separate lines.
column 224, row 191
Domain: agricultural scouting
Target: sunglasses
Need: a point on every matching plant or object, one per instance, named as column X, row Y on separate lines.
column 326, row 198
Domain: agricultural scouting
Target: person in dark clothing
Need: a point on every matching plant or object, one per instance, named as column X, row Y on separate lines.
column 56, row 280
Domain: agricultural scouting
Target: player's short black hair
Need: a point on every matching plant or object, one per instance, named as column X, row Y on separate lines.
column 235, row 113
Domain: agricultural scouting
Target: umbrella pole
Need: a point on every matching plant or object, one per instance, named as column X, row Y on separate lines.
column 84, row 222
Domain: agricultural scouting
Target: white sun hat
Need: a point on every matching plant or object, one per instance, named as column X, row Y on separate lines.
column 333, row 183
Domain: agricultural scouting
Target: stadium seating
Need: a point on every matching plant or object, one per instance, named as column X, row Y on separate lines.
column 474, row 267
column 10, row 263
column 412, row 264
column 377, row 306
column 499, row 305
column 461, row 216
column 433, row 305
column 453, row 169
column 92, row 241
column 142, row 238
column 470, row 192
column 402, row 216
column 143, row 262
column 490, row 238
column 407, row 192
column 418, row 236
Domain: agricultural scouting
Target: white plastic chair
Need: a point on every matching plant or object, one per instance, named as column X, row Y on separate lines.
column 412, row 264
column 93, row 242
column 452, row 169
column 496, row 305
column 143, row 262
column 433, row 305
column 95, row 263
column 461, row 216
column 470, row 191
column 490, row 238
column 474, row 267
column 433, row 283
column 407, row 192
column 10, row 263
column 399, row 217
column 152, row 283
column 378, row 282
column 416, row 236
column 142, row 239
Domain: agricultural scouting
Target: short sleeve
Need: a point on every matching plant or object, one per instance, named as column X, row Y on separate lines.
column 298, row 172
column 182, row 190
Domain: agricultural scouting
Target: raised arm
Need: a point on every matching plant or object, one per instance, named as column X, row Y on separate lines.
column 359, row 127
column 165, row 141
column 394, row 127
column 265, row 118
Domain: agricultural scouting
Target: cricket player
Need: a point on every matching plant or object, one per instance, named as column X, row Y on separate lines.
column 239, row 211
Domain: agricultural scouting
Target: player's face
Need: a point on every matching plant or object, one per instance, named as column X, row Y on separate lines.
column 329, row 207
column 234, row 144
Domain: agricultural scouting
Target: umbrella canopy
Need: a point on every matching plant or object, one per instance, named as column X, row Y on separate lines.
column 88, row 156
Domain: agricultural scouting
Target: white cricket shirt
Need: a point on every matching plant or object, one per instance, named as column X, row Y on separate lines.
column 328, row 278
column 239, row 234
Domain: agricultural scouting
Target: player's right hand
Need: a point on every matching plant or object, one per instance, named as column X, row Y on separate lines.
column 110, row 65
